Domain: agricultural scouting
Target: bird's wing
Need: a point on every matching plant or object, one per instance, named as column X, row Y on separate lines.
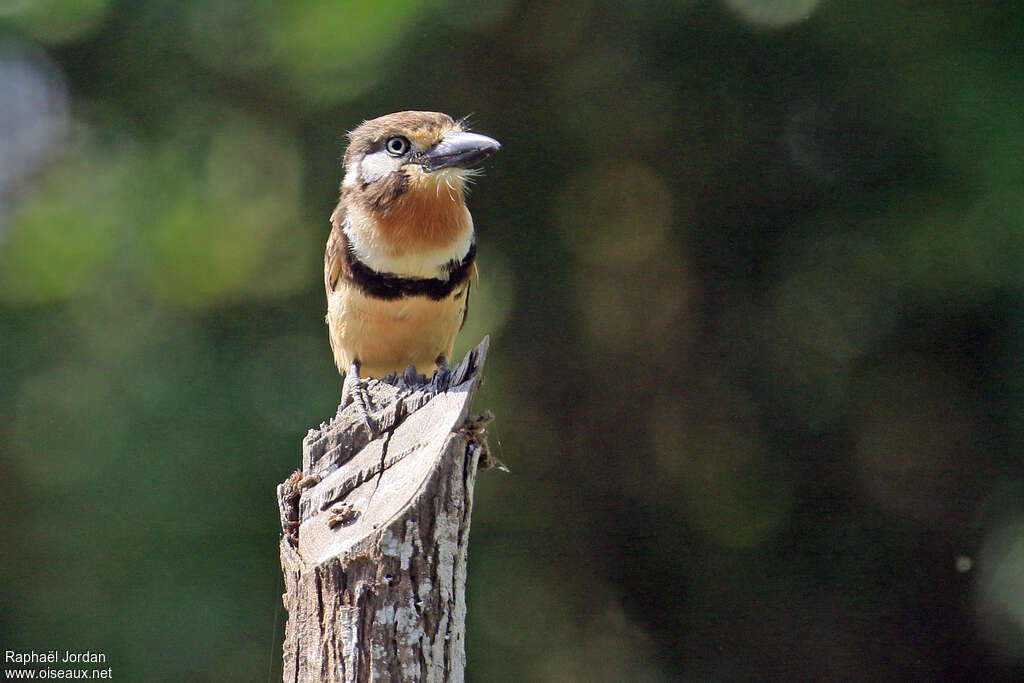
column 334, row 256
column 474, row 275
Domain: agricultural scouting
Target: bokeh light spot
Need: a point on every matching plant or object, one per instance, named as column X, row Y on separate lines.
column 1000, row 602
column 61, row 236
column 33, row 115
column 772, row 13
column 717, row 472
column 615, row 211
column 335, row 50
column 56, row 21
column 226, row 234
column 647, row 304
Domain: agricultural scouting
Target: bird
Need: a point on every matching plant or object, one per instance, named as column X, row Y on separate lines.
column 401, row 252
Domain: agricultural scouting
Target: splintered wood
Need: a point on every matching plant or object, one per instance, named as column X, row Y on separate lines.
column 376, row 534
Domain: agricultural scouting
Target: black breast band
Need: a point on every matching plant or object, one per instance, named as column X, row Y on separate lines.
column 390, row 286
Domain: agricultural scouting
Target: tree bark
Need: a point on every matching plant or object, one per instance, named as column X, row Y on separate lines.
column 376, row 534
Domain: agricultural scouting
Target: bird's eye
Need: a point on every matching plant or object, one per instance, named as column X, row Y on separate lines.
column 397, row 145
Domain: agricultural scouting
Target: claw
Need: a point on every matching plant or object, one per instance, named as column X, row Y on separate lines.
column 354, row 391
column 443, row 374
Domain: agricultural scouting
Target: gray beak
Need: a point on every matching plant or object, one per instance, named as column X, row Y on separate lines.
column 458, row 149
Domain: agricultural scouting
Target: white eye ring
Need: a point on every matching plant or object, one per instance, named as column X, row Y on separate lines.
column 397, row 145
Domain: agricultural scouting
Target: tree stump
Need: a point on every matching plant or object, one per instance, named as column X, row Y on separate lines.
column 376, row 533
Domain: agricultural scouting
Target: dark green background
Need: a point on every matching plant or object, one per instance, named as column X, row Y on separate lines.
column 753, row 272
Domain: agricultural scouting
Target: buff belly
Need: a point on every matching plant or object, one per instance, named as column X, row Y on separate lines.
column 388, row 336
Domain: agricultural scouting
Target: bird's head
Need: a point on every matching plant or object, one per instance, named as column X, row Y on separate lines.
column 411, row 155
column 404, row 186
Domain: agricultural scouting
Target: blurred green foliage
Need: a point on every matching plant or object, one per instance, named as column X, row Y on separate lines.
column 754, row 272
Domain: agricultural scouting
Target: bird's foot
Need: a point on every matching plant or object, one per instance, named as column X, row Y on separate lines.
column 442, row 376
column 354, row 391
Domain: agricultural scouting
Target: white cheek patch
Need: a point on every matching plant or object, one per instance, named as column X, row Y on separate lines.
column 377, row 165
column 351, row 174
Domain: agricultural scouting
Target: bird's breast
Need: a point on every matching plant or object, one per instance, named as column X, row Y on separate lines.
column 401, row 247
column 389, row 335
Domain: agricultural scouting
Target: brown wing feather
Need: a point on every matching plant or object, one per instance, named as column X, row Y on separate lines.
column 334, row 260
column 474, row 275
column 334, row 256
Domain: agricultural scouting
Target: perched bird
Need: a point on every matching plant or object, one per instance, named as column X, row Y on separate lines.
column 402, row 248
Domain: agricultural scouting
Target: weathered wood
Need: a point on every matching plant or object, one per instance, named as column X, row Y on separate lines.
column 376, row 534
